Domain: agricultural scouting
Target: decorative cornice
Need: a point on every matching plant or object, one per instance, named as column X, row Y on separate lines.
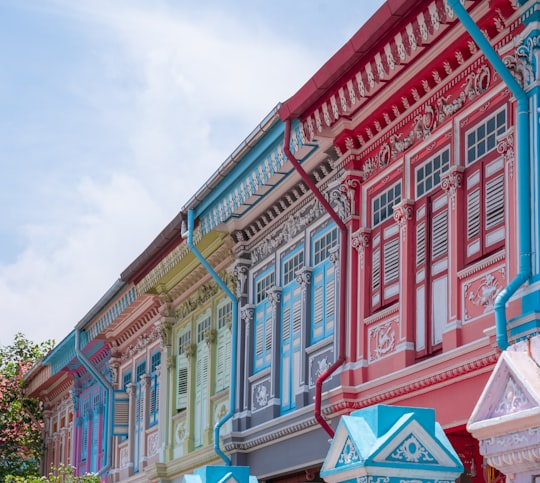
column 482, row 264
column 294, row 224
column 167, row 264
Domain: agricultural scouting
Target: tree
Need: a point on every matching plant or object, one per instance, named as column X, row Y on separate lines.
column 62, row 474
column 21, row 422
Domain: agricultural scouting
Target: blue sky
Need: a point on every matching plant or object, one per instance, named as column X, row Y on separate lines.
column 113, row 113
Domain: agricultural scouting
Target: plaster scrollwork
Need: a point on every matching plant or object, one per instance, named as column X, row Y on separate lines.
column 165, row 332
column 451, row 181
column 514, row 400
column 426, row 122
column 383, row 340
column 124, row 457
column 210, row 336
column 153, row 444
column 303, row 278
column 240, row 271
column 262, row 395
column 403, row 212
column 293, row 225
column 360, row 240
column 274, row 296
column 505, row 146
column 247, row 313
column 343, row 198
column 526, row 56
column 482, row 292
column 333, row 256
column 205, row 293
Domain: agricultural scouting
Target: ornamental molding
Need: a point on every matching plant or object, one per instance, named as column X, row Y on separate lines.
column 294, row 199
column 204, row 294
column 240, row 271
column 485, row 263
column 273, row 295
column 142, row 343
column 303, row 278
column 291, row 226
column 247, row 312
column 426, row 119
column 400, row 390
column 381, row 314
column 272, row 436
column 361, row 238
column 451, row 181
column 403, row 212
column 342, row 197
column 505, row 147
column 153, row 278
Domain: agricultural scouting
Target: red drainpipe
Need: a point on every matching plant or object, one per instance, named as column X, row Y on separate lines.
column 342, row 278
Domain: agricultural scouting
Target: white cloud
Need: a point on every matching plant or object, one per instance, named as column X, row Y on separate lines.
column 164, row 94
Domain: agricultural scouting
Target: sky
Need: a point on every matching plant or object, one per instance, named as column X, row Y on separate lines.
column 113, row 113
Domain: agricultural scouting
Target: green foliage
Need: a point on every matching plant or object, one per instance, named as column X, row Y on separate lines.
column 21, row 423
column 62, row 474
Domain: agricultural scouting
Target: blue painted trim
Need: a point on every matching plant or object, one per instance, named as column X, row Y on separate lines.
column 242, row 167
column 108, row 389
column 523, row 171
column 234, row 300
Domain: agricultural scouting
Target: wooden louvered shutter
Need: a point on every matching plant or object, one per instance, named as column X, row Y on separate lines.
column 182, row 381
column 120, row 413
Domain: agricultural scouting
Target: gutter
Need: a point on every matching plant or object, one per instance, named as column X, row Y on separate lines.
column 523, row 171
column 234, row 300
column 100, row 378
column 109, row 392
column 342, row 278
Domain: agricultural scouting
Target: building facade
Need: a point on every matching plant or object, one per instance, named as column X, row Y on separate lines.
column 356, row 249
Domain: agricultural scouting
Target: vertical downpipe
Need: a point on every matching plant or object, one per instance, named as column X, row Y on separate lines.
column 234, row 300
column 101, row 379
column 342, row 279
column 523, row 171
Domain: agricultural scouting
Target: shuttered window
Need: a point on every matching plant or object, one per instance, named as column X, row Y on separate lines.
column 431, row 272
column 155, row 361
column 291, row 328
column 263, row 320
column 484, row 188
column 182, row 370
column 385, row 248
column 223, row 345
column 201, row 381
column 323, row 284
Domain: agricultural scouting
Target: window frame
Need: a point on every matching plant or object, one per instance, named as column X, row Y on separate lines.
column 485, row 182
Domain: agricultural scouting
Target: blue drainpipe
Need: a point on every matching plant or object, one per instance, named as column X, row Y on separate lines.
column 108, row 390
column 221, row 283
column 523, row 171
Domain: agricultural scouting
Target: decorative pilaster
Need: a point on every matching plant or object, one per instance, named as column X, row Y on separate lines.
column 361, row 240
column 247, row 312
column 343, row 198
column 404, row 217
column 273, row 295
column 131, row 389
column 451, row 182
column 240, row 270
column 505, row 146
column 304, row 280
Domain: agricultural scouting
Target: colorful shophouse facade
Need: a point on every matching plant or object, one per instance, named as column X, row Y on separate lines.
column 365, row 229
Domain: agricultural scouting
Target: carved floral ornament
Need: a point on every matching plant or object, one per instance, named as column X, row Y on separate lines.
column 425, row 123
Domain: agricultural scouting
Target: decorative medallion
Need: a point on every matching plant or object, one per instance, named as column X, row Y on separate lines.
column 412, row 451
